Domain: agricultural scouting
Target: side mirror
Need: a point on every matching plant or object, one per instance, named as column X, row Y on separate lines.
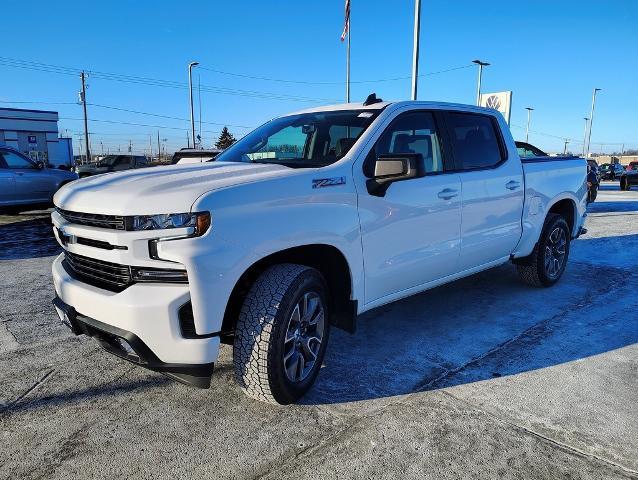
column 394, row 167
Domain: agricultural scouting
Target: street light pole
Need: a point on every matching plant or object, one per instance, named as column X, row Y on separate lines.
column 481, row 64
column 565, row 147
column 529, row 117
column 591, row 118
column 585, row 137
column 190, row 90
column 415, row 48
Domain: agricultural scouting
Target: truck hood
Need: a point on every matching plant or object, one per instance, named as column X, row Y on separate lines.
column 162, row 189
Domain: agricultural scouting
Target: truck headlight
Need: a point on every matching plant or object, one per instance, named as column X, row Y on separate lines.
column 199, row 222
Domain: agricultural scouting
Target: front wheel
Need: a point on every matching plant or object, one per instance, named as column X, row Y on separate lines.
column 546, row 264
column 281, row 334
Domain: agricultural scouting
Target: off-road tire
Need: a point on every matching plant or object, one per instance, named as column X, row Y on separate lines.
column 531, row 270
column 261, row 330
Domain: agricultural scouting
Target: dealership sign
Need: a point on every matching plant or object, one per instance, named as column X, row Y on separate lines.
column 501, row 101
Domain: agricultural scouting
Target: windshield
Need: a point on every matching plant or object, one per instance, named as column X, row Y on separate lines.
column 305, row 140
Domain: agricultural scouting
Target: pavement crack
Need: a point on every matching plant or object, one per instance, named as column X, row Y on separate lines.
column 31, row 389
column 563, row 446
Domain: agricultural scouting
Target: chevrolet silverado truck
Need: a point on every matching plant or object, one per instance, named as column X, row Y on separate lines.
column 302, row 225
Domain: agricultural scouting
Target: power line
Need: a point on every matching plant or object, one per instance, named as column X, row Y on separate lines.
column 49, row 68
column 306, row 82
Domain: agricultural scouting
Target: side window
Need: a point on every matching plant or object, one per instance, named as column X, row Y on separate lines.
column 475, row 140
column 13, row 160
column 413, row 132
column 122, row 161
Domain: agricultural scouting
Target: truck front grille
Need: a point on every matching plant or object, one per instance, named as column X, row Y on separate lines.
column 106, row 275
column 115, row 222
column 116, row 277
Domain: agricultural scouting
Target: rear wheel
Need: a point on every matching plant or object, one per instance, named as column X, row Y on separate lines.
column 624, row 184
column 546, row 264
column 281, row 334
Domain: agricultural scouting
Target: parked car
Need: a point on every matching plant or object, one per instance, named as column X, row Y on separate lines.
column 593, row 180
column 629, row 178
column 631, row 166
column 112, row 163
column 25, row 182
column 303, row 224
column 194, row 155
column 611, row 171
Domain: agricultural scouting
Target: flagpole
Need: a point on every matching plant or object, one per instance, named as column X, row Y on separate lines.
column 348, row 65
column 415, row 48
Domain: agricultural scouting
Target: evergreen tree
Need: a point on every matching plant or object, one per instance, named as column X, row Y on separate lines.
column 225, row 140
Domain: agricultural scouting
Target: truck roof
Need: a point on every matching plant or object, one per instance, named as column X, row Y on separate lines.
column 382, row 105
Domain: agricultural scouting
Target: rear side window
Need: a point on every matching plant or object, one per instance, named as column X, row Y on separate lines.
column 475, row 140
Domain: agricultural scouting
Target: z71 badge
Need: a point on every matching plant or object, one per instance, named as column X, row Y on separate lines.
column 328, row 182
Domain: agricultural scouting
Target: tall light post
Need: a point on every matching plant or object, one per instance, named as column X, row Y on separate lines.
column 415, row 48
column 190, row 90
column 480, row 64
column 565, row 147
column 585, row 136
column 529, row 118
column 591, row 118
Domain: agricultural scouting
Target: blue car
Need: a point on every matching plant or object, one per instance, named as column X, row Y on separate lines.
column 24, row 182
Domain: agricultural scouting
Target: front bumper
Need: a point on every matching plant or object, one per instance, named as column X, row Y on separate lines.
column 130, row 347
column 146, row 312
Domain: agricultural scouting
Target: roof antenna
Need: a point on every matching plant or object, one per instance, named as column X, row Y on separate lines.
column 372, row 99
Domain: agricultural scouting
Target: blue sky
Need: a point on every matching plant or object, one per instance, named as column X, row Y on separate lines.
column 549, row 53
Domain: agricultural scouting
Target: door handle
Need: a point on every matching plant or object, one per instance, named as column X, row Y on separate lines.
column 512, row 185
column 447, row 193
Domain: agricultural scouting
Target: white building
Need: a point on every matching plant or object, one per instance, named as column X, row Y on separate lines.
column 35, row 133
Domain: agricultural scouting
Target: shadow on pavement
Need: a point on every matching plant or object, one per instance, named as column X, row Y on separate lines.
column 83, row 395
column 485, row 326
column 28, row 239
column 608, row 207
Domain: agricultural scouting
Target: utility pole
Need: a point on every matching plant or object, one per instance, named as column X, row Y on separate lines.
column 86, row 122
column 591, row 118
column 415, row 48
column 102, row 148
column 159, row 149
column 130, row 148
column 150, row 146
column 480, row 64
column 565, row 147
column 529, row 117
column 190, row 91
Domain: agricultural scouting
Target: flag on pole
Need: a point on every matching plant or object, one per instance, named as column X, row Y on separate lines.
column 346, row 24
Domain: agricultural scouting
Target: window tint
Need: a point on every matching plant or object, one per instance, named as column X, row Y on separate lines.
column 474, row 140
column 413, row 132
column 13, row 160
column 123, row 161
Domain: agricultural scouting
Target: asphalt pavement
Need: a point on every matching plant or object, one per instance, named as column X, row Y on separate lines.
column 481, row 378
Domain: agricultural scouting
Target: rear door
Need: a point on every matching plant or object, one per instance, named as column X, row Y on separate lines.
column 411, row 235
column 493, row 188
column 7, row 184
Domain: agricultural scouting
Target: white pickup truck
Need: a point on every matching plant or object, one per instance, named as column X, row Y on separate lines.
column 303, row 224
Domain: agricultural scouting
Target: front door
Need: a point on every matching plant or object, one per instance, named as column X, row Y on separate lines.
column 32, row 184
column 410, row 236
